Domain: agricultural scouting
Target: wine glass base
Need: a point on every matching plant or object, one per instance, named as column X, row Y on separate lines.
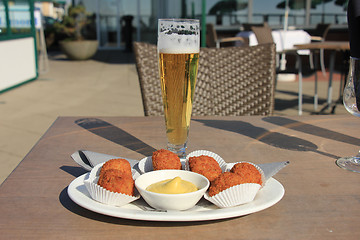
column 177, row 149
column 349, row 163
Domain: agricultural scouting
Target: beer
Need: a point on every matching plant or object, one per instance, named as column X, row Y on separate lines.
column 178, row 48
column 178, row 74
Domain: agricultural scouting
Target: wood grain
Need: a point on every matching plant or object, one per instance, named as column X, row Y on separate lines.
column 321, row 200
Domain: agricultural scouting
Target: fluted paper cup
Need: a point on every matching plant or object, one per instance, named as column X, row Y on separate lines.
column 238, row 194
column 235, row 195
column 103, row 195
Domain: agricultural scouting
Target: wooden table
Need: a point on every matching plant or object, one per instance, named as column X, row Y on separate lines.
column 321, row 200
column 328, row 45
column 333, row 46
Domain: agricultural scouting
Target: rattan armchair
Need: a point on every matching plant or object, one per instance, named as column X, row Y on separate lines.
column 232, row 81
column 263, row 34
column 319, row 35
column 212, row 39
column 247, row 26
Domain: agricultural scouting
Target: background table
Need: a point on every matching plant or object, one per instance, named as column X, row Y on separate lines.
column 284, row 40
column 333, row 46
column 321, row 200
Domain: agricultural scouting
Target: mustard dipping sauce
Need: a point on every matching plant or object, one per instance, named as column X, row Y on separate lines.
column 172, row 186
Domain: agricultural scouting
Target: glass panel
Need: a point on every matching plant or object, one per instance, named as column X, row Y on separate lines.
column 148, row 21
column 110, row 12
column 19, row 13
column 117, row 27
column 333, row 12
column 2, row 18
column 273, row 12
column 128, row 20
column 108, row 23
column 151, row 11
column 226, row 13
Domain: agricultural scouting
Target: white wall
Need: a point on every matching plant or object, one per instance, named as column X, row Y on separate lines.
column 17, row 62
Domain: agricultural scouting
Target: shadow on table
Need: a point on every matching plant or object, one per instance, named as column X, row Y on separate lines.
column 74, row 208
column 312, row 129
column 283, row 104
column 115, row 134
column 274, row 139
column 74, row 171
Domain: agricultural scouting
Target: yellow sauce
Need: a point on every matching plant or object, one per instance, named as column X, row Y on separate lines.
column 172, row 186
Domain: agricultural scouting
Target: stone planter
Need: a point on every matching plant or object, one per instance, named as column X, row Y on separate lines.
column 79, row 50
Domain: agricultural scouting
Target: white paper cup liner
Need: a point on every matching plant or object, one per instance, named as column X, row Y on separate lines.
column 197, row 153
column 145, row 165
column 103, row 195
column 229, row 166
column 234, row 196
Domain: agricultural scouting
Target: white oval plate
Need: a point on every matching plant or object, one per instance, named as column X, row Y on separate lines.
column 269, row 195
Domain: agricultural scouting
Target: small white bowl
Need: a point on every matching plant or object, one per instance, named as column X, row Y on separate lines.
column 181, row 201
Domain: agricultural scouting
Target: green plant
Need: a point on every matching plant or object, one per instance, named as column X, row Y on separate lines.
column 75, row 25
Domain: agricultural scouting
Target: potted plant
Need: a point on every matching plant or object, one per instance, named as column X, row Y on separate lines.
column 76, row 34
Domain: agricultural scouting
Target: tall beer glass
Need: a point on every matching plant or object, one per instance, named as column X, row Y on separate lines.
column 178, row 49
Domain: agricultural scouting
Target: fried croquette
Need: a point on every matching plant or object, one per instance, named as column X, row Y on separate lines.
column 119, row 164
column 224, row 181
column 116, row 180
column 165, row 159
column 206, row 166
column 248, row 172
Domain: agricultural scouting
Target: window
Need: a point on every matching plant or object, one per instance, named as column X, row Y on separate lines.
column 333, row 12
column 2, row 18
column 20, row 18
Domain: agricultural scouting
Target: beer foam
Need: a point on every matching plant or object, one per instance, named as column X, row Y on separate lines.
column 178, row 36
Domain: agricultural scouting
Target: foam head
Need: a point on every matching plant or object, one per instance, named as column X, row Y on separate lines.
column 178, row 36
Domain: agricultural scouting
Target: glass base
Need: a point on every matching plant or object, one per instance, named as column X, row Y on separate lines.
column 178, row 149
column 349, row 163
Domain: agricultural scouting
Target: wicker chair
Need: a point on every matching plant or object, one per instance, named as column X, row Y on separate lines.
column 247, row 26
column 263, row 34
column 212, row 39
column 232, row 81
column 319, row 35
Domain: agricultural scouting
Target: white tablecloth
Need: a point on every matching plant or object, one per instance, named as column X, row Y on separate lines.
column 284, row 40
